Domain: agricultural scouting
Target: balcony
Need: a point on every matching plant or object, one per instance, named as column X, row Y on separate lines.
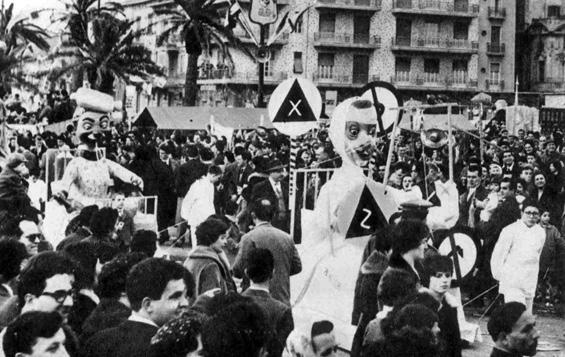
column 550, row 85
column 348, row 40
column 494, row 84
column 436, row 45
column 332, row 76
column 496, row 13
column 496, row 49
column 225, row 76
column 350, row 5
column 458, row 81
column 434, row 8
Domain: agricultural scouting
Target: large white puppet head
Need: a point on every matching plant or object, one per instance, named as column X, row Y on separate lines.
column 352, row 131
column 93, row 114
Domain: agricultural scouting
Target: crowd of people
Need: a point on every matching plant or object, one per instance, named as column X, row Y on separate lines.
column 99, row 290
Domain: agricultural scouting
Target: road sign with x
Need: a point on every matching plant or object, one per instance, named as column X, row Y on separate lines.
column 295, row 106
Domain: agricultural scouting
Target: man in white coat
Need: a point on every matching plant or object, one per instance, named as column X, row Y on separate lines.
column 515, row 258
column 198, row 204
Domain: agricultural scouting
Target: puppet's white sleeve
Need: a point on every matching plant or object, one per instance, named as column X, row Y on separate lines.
column 446, row 215
column 117, row 170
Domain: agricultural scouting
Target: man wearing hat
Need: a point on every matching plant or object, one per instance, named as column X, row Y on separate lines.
column 275, row 190
column 13, row 187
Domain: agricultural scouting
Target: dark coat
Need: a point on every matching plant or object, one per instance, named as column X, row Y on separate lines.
column 552, row 258
column 397, row 262
column 264, row 189
column 465, row 203
column 285, row 254
column 109, row 313
column 549, row 200
column 82, row 308
column 13, row 193
column 278, row 316
column 128, row 339
column 209, row 271
column 449, row 330
column 365, row 303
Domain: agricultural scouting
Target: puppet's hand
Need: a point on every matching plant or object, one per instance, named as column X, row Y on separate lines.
column 137, row 182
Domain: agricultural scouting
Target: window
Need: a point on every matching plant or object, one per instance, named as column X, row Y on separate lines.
column 326, row 65
column 541, row 70
column 495, row 35
column 402, row 69
column 298, row 68
column 402, row 64
column 553, row 11
column 460, row 31
column 431, row 70
column 431, row 65
column 460, row 71
column 327, row 22
column 495, row 73
column 403, row 32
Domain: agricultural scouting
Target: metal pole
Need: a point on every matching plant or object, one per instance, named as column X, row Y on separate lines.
column 449, row 146
column 261, row 98
column 481, row 145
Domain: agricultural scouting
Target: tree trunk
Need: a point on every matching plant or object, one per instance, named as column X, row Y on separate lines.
column 190, row 83
column 106, row 83
column 77, row 78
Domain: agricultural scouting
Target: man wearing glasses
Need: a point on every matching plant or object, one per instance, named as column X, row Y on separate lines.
column 515, row 258
column 46, row 284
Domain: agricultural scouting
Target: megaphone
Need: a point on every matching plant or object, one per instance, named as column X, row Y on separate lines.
column 434, row 138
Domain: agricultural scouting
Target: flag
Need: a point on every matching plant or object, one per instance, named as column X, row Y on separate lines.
column 289, row 21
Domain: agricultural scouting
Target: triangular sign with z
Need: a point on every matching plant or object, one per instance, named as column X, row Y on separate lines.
column 295, row 107
column 368, row 216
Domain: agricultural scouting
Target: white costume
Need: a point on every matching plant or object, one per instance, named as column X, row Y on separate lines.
column 330, row 262
column 198, row 204
column 515, row 261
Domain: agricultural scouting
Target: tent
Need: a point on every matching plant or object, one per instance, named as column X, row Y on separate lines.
column 439, row 121
column 198, row 118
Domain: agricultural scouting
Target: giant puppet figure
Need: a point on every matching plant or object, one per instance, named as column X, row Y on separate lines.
column 88, row 176
column 349, row 208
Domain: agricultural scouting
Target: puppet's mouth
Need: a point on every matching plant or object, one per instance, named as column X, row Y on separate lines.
column 364, row 152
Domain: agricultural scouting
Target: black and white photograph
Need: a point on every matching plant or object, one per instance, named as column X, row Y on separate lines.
column 282, row 178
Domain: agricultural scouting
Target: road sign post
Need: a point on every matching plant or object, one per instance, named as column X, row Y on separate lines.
column 295, row 108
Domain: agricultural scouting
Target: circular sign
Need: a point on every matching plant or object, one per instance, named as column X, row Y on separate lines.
column 466, row 248
column 295, row 106
column 386, row 97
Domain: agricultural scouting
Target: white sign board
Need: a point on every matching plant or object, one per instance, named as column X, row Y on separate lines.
column 295, row 106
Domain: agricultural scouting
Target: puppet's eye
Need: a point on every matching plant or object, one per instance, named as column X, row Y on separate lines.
column 87, row 126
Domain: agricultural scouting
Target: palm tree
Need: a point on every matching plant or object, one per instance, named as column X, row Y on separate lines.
column 108, row 50
column 15, row 31
column 18, row 38
column 201, row 27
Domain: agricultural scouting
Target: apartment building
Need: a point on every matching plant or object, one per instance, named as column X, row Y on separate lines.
column 455, row 47
column 543, row 47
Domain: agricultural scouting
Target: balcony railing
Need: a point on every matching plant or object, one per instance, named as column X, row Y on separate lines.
column 496, row 12
column 435, row 7
column 495, row 83
column 351, row 4
column 434, row 43
column 457, row 80
column 227, row 74
column 347, row 39
column 341, row 76
column 496, row 48
column 550, row 84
